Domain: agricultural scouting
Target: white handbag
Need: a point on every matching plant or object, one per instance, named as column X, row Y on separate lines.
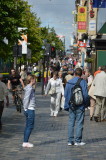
column 52, row 91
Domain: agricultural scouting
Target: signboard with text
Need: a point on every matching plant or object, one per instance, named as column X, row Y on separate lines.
column 82, row 18
column 81, row 26
column 92, row 25
column 81, row 44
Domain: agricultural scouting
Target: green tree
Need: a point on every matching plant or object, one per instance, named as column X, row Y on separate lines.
column 51, row 36
column 10, row 19
column 17, row 13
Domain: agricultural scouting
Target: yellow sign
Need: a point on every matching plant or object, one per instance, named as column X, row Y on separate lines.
column 82, row 18
column 82, row 14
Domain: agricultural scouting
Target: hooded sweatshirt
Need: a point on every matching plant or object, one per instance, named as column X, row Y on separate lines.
column 29, row 101
column 70, row 84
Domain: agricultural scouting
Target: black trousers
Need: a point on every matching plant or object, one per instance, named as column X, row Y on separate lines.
column 1, row 110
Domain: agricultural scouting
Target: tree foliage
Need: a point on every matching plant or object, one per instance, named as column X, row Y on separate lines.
column 17, row 13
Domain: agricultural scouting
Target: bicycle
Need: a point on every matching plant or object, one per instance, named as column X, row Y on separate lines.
column 18, row 100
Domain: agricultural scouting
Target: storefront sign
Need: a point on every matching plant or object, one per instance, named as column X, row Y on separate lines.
column 81, row 44
column 92, row 25
column 82, row 17
column 81, row 26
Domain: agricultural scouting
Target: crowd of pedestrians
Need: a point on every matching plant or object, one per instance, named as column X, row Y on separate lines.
column 63, row 76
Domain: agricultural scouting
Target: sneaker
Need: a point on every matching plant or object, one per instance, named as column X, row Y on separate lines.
column 79, row 144
column 55, row 114
column 52, row 114
column 70, row 144
column 27, row 145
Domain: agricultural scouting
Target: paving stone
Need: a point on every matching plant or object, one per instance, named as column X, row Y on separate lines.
column 49, row 136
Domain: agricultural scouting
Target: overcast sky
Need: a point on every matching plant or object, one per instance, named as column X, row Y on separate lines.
column 57, row 14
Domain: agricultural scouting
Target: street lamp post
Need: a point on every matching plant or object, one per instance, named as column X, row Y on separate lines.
column 64, row 45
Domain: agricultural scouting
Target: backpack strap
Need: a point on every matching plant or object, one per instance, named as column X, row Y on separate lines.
column 78, row 81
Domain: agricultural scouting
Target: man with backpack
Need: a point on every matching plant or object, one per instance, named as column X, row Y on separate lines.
column 76, row 99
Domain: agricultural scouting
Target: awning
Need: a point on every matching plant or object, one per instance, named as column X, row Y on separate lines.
column 103, row 29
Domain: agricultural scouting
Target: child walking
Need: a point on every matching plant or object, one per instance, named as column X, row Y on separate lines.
column 29, row 109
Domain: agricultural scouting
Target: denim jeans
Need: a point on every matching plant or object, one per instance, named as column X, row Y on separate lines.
column 1, row 111
column 75, row 116
column 30, row 116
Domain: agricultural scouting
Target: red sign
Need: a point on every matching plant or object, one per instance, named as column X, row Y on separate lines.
column 82, row 18
column 81, row 44
column 81, row 25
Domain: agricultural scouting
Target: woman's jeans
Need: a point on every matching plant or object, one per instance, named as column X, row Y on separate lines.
column 30, row 116
column 78, row 117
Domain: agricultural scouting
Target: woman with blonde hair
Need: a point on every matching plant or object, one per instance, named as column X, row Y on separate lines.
column 29, row 104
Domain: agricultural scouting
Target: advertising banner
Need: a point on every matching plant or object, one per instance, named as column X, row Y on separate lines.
column 92, row 25
column 92, row 21
column 23, row 41
column 82, row 14
column 82, row 18
column 81, row 44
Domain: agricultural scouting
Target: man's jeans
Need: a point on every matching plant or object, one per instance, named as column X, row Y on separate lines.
column 1, row 112
column 78, row 117
column 30, row 116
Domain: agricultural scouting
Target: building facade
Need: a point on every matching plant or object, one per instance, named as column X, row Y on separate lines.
column 91, row 32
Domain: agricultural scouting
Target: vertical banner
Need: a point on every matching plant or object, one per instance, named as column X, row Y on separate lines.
column 92, row 20
column 82, row 18
column 23, row 42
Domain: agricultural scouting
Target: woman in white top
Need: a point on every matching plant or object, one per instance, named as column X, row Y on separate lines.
column 56, row 83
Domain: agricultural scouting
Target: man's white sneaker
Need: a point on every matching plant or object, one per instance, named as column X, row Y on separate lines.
column 79, row 144
column 70, row 144
column 27, row 145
